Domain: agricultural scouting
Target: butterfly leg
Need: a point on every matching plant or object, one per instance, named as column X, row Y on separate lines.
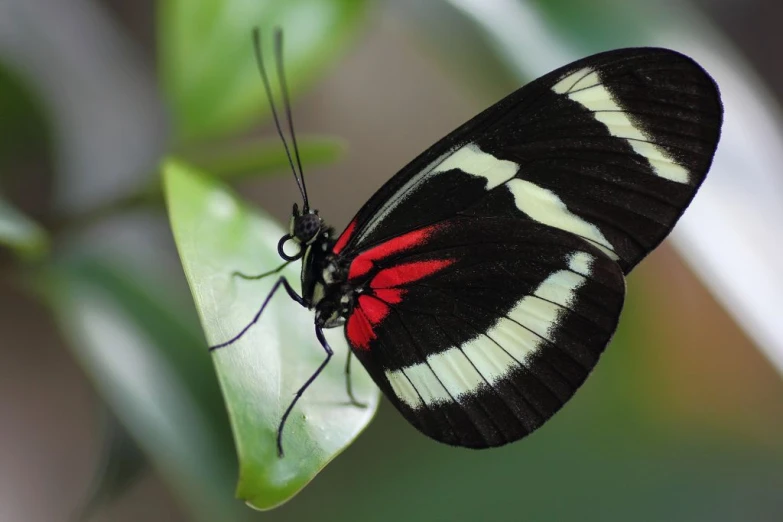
column 260, row 276
column 319, row 333
column 348, row 386
column 291, row 292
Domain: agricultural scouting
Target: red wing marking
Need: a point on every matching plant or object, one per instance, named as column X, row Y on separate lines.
column 344, row 238
column 368, row 313
column 408, row 272
column 359, row 330
column 364, row 261
column 374, row 309
column 390, row 295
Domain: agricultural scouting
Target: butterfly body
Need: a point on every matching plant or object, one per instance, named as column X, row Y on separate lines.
column 480, row 285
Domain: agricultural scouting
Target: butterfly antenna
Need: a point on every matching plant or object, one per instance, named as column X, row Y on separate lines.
column 265, row 79
column 287, row 105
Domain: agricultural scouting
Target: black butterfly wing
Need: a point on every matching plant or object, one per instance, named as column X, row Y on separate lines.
column 611, row 148
column 479, row 329
column 492, row 265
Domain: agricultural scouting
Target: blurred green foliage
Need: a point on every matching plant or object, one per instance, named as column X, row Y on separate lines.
column 23, row 124
column 148, row 361
column 235, row 162
column 208, row 73
column 22, row 128
column 21, row 233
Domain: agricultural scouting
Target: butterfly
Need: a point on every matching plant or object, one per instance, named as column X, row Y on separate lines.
column 479, row 286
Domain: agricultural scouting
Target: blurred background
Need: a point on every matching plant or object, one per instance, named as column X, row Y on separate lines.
column 683, row 419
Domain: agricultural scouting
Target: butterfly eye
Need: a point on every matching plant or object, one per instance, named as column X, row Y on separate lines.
column 306, row 228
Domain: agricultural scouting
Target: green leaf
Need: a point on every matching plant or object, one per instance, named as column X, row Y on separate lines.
column 215, row 235
column 21, row 233
column 248, row 160
column 207, row 60
column 151, row 367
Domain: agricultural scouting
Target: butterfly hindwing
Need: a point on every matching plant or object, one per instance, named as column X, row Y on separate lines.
column 611, row 148
column 480, row 329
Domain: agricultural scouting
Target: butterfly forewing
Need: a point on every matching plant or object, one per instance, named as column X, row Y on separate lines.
column 611, row 148
column 491, row 267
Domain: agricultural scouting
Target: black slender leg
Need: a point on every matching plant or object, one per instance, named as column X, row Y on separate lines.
column 291, row 292
column 348, row 386
column 321, row 339
column 260, row 276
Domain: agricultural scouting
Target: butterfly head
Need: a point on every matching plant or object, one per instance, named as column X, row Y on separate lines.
column 304, row 229
column 305, row 226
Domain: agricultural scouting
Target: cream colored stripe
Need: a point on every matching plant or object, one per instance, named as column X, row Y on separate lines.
column 455, row 371
column 426, row 383
column 584, row 86
column 403, row 389
column 472, row 160
column 468, row 158
column 545, row 207
column 490, row 357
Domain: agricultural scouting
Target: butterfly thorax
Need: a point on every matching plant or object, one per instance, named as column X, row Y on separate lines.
column 324, row 283
column 324, row 275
